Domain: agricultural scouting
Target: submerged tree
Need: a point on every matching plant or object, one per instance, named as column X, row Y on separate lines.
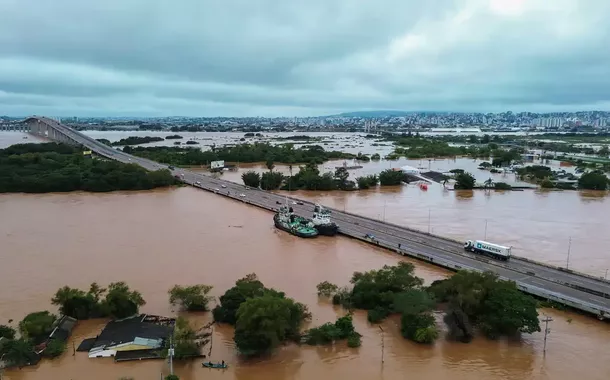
column 121, row 302
column 191, row 298
column 264, row 322
column 37, row 326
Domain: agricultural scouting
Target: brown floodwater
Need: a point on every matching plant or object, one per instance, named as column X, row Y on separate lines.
column 539, row 224
column 156, row 239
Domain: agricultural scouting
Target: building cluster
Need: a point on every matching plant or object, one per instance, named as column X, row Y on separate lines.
column 373, row 121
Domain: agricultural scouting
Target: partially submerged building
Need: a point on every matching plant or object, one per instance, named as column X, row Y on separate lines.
column 139, row 337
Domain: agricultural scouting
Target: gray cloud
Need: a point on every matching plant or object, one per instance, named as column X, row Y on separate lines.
column 301, row 57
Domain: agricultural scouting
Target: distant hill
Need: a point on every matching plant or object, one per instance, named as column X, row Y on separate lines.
column 366, row 114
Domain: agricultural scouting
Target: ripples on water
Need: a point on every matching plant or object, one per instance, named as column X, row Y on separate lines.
column 156, row 239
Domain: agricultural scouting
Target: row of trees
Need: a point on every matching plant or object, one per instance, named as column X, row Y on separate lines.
column 51, row 167
column 117, row 301
column 473, row 300
column 256, row 152
column 309, row 178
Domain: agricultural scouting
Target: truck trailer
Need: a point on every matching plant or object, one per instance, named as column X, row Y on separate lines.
column 481, row 247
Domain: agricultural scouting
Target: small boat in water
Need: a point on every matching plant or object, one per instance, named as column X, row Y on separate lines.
column 222, row 365
column 285, row 220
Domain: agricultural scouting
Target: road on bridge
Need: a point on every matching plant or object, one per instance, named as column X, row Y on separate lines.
column 564, row 284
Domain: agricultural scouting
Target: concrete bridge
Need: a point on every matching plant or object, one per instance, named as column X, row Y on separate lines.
column 578, row 290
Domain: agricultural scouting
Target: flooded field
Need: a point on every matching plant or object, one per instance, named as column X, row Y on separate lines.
column 154, row 240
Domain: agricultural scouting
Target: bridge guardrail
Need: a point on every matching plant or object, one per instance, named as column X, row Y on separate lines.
column 440, row 262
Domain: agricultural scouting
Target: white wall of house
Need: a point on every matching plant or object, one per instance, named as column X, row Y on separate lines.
column 102, row 353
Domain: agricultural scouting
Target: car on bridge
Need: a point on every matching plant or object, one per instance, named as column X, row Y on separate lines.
column 198, row 183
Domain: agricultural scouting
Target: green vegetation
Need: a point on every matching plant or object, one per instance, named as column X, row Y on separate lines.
column 251, row 179
column 307, row 178
column 594, row 180
column 247, row 287
column 367, row 182
column 173, row 137
column 375, row 157
column 464, row 181
column 271, row 180
column 136, row 140
column 7, row 332
column 18, row 352
column 263, row 317
column 473, row 300
column 37, row 326
column 390, row 177
column 51, row 167
column 185, row 345
column 191, row 298
column 326, row 289
column 266, row 321
column 502, row 186
column 496, row 307
column 119, row 302
column 257, row 152
column 329, row 333
column 172, row 377
column 54, row 348
column 191, row 142
column 534, row 172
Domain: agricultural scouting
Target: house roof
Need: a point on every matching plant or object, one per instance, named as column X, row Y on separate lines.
column 64, row 328
column 127, row 330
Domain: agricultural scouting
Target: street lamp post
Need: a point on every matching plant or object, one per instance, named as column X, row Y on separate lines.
column 485, row 235
column 568, row 258
column 429, row 215
column 384, row 204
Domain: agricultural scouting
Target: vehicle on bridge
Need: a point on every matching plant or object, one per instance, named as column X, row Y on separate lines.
column 485, row 248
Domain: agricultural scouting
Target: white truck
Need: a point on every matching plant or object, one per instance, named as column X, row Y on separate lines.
column 481, row 247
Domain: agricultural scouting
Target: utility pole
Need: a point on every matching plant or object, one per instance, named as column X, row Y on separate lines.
column 171, row 356
column 382, row 345
column 384, row 204
column 546, row 321
column 569, row 248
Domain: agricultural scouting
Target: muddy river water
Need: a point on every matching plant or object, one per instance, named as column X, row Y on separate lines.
column 153, row 240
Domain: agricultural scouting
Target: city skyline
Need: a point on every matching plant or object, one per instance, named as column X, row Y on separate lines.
column 313, row 58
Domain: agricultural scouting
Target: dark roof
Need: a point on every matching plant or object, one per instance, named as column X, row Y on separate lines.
column 86, row 345
column 126, row 330
column 64, row 328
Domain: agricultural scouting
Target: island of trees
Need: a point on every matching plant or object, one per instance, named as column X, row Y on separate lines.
column 52, row 167
column 257, row 152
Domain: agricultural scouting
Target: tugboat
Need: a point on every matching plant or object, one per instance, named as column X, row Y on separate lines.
column 322, row 223
column 285, row 220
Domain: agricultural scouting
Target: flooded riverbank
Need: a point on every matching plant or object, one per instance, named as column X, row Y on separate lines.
column 154, row 240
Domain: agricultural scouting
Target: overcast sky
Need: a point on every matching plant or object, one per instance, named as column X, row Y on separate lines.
column 301, row 58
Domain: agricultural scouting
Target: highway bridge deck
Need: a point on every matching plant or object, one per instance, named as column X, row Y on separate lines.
column 577, row 290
